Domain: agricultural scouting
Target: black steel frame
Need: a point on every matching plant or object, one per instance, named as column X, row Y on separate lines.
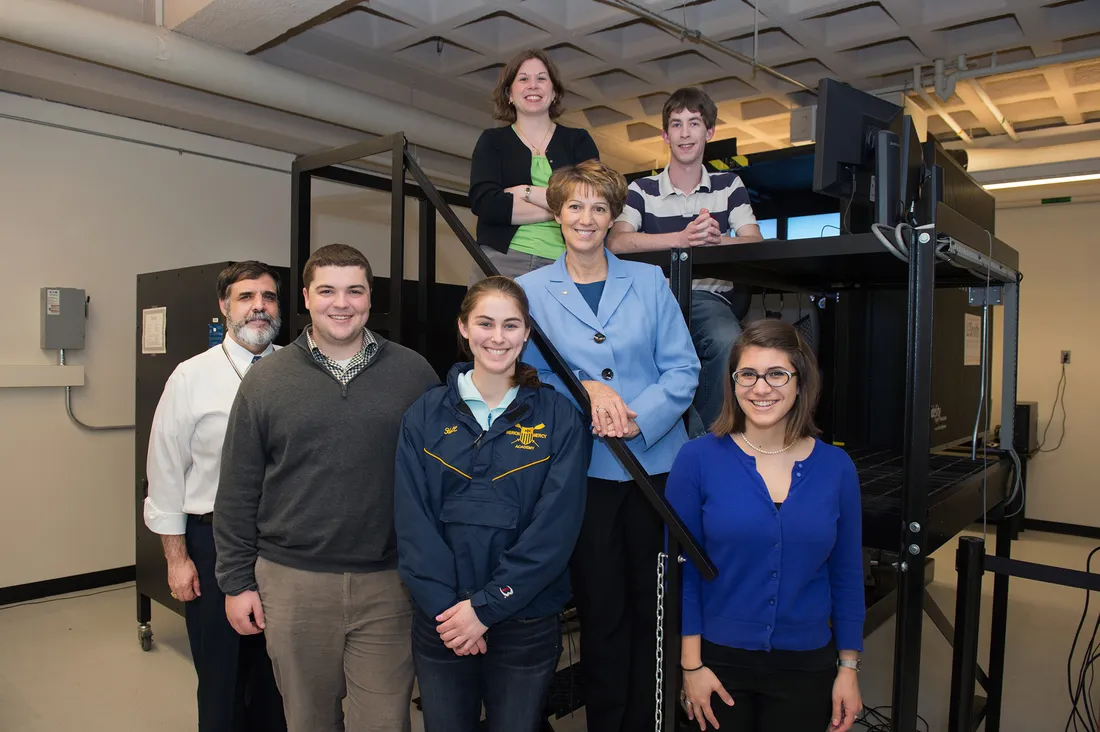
column 968, row 709
column 979, row 248
column 326, row 165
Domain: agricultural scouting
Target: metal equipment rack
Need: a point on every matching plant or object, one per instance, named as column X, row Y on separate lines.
column 915, row 518
column 916, row 500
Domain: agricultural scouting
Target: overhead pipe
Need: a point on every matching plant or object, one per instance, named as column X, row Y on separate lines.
column 684, row 32
column 139, row 48
column 937, row 107
column 993, row 109
column 997, row 70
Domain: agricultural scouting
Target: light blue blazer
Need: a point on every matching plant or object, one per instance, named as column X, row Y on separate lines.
column 645, row 343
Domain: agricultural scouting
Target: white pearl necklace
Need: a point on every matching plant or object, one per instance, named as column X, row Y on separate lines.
column 767, row 452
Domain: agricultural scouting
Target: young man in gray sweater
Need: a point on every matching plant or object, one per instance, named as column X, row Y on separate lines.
column 303, row 520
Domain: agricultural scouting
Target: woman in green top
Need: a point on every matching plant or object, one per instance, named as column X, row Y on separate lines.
column 511, row 167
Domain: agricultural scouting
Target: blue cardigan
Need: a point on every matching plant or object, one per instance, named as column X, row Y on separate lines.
column 783, row 575
column 637, row 343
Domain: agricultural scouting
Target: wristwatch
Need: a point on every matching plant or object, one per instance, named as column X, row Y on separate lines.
column 527, row 194
column 845, row 663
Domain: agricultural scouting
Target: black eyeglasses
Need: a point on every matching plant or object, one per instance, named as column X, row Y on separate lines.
column 774, row 378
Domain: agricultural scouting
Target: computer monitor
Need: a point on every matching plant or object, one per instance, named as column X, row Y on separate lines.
column 814, row 226
column 857, row 153
column 769, row 228
column 912, row 170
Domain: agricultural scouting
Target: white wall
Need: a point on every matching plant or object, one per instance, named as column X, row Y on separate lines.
column 84, row 211
column 80, row 210
column 1060, row 260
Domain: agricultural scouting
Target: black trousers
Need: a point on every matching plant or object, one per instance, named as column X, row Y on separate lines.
column 237, row 691
column 768, row 698
column 614, row 572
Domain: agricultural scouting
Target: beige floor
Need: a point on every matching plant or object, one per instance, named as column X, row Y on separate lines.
column 76, row 664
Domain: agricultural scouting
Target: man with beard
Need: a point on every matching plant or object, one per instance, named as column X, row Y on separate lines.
column 236, row 689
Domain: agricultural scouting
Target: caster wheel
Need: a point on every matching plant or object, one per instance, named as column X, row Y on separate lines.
column 145, row 637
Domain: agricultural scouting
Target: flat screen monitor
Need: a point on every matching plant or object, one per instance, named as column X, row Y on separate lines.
column 769, row 228
column 848, row 125
column 813, row 227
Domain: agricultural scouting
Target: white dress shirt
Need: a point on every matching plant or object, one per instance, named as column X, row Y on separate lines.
column 185, row 443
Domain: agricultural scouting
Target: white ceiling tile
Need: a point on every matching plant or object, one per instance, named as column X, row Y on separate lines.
column 849, row 27
column 502, row 31
column 433, row 12
column 685, row 66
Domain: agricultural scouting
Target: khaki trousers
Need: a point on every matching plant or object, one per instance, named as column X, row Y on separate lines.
column 332, row 636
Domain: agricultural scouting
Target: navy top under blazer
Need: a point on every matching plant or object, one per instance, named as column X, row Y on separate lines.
column 637, row 343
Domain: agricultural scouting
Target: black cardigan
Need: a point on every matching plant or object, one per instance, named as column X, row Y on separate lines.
column 500, row 161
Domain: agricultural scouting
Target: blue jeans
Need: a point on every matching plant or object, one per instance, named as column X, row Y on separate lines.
column 512, row 678
column 714, row 330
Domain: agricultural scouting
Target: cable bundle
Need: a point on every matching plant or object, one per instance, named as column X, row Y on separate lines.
column 1080, row 694
column 875, row 721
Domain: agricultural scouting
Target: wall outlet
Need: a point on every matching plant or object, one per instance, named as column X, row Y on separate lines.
column 1065, row 356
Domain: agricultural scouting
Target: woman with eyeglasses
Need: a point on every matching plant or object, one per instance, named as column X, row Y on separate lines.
column 773, row 642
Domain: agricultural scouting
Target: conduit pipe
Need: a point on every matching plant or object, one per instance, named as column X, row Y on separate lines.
column 984, row 71
column 937, row 107
column 993, row 109
column 684, row 32
column 91, row 35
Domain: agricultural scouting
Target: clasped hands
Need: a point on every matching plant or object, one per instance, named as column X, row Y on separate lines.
column 610, row 415
column 460, row 629
column 703, row 231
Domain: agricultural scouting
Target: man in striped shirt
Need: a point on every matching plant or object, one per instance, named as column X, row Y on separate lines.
column 687, row 206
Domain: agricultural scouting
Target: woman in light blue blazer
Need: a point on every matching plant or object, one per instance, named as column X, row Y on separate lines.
column 620, row 330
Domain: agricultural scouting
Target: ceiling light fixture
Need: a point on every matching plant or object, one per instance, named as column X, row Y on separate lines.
column 1042, row 181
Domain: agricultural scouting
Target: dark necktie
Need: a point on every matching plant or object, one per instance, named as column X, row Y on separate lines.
column 256, row 358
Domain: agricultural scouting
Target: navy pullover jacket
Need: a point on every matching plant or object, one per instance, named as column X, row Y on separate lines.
column 490, row 516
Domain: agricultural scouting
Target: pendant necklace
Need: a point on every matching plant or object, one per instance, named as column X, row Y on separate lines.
column 546, row 139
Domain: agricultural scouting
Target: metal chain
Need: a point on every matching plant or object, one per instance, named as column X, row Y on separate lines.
column 659, row 695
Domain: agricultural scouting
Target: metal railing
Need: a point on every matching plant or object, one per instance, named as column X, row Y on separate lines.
column 681, row 544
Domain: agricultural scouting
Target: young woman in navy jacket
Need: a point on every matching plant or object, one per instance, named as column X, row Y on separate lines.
column 772, row 644
column 490, row 495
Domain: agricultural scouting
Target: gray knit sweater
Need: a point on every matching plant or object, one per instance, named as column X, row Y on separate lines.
column 307, row 466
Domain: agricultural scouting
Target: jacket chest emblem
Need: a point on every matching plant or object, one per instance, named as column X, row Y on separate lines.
column 450, row 430
column 526, row 437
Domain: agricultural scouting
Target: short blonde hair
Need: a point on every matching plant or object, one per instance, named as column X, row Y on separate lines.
column 600, row 178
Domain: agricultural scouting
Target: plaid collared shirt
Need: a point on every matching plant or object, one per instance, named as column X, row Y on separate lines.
column 358, row 362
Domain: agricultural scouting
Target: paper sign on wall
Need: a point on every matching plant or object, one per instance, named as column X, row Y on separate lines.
column 972, row 354
column 154, row 326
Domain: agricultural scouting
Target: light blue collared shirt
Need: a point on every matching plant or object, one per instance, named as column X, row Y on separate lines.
column 469, row 394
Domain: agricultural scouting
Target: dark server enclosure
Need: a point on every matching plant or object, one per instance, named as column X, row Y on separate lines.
column 190, row 298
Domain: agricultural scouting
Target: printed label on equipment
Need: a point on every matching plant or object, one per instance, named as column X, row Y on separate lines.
column 53, row 302
column 972, row 352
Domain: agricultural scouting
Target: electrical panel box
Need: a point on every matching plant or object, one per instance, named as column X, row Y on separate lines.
column 804, row 124
column 64, row 315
